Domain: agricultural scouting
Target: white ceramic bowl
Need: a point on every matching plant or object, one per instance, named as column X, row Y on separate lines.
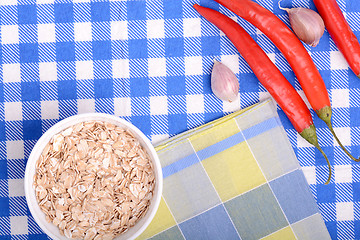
column 53, row 231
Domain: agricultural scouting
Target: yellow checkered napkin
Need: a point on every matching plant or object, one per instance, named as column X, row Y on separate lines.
column 235, row 178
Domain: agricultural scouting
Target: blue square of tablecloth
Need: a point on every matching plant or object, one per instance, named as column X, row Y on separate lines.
column 210, row 4
column 356, row 191
column 38, row 237
column 213, row 42
column 100, row 11
column 357, row 229
column 174, row 47
column 63, row 12
column 30, row 91
column 248, row 82
column 172, row 9
column 27, row 14
column 32, row 129
column 3, row 165
column 143, row 123
column 65, row 51
column 325, row 193
column 4, row 207
column 207, row 86
column 212, row 116
column 175, row 85
column 137, row 10
column 179, row 125
column 324, row 44
column 103, row 88
column 332, row 228
column 2, row 131
column 326, row 74
column 67, row 90
column 352, row 6
column 1, row 91
column 353, row 79
column 29, row 52
column 139, row 87
column 328, row 149
column 101, row 50
column 138, row 48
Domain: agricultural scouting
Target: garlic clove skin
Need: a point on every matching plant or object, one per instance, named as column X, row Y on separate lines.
column 224, row 83
column 306, row 24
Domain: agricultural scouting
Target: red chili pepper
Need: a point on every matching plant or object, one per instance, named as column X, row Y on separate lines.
column 340, row 32
column 294, row 52
column 268, row 74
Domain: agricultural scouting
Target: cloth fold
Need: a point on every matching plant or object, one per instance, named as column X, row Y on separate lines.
column 235, row 178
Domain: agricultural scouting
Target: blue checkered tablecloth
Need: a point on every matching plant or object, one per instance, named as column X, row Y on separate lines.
column 149, row 62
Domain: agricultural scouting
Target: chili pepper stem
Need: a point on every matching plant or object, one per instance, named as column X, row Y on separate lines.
column 309, row 134
column 327, row 161
column 325, row 115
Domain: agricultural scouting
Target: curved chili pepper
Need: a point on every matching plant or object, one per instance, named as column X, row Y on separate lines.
column 294, row 52
column 268, row 74
column 340, row 32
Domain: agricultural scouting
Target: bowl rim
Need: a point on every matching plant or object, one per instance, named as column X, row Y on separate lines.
column 73, row 120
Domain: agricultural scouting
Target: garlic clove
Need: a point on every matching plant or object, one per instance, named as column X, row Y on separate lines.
column 224, row 83
column 306, row 24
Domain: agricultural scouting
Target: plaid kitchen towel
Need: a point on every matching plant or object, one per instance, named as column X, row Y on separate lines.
column 235, row 178
column 149, row 62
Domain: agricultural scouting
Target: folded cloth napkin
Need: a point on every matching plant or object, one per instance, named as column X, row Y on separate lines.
column 235, row 178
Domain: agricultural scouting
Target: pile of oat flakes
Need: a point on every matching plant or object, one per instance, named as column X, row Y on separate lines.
column 94, row 181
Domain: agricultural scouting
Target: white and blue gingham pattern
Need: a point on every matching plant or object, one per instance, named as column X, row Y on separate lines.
column 149, row 62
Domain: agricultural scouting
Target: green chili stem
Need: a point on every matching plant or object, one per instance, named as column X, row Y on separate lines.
column 328, row 163
column 339, row 142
